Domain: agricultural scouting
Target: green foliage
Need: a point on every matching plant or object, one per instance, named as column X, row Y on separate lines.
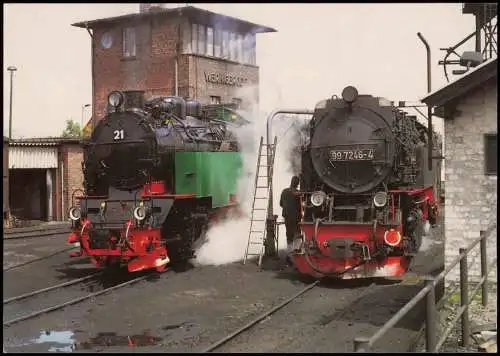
column 73, row 129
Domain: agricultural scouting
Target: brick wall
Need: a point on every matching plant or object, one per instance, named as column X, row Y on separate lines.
column 201, row 89
column 107, row 68
column 471, row 196
column 153, row 68
column 73, row 177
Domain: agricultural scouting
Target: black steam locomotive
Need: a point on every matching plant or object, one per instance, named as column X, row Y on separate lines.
column 368, row 191
column 155, row 173
column 153, row 132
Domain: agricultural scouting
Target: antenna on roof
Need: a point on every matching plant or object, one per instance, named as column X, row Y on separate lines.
column 485, row 46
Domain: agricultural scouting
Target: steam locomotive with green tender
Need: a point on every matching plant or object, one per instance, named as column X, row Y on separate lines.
column 156, row 172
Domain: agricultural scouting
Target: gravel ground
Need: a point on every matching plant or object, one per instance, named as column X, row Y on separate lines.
column 185, row 310
column 16, row 251
column 188, row 311
column 32, row 304
column 478, row 315
column 39, row 274
column 309, row 322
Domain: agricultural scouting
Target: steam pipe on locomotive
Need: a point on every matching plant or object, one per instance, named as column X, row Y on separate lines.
column 368, row 195
column 132, row 208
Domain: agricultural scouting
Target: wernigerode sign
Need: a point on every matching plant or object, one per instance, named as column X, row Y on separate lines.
column 227, row 78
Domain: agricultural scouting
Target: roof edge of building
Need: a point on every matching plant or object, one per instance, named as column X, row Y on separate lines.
column 180, row 10
column 44, row 141
column 463, row 84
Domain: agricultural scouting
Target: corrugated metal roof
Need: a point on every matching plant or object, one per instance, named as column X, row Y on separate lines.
column 43, row 141
column 32, row 157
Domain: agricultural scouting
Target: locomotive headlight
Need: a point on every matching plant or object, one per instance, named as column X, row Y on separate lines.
column 115, row 99
column 75, row 213
column 140, row 213
column 380, row 199
column 318, row 198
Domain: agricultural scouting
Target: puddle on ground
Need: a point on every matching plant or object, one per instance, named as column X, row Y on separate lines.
column 112, row 339
column 63, row 339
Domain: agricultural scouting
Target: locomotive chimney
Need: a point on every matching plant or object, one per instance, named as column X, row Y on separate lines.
column 133, row 99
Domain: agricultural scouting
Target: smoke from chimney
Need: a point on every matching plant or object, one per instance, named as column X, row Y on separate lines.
column 151, row 7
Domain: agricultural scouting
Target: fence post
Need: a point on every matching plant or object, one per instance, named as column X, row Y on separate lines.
column 430, row 318
column 484, row 287
column 361, row 344
column 464, row 296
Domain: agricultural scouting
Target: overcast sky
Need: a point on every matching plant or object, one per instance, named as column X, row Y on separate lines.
column 318, row 50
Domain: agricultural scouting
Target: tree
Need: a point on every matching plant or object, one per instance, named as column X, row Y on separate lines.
column 72, row 129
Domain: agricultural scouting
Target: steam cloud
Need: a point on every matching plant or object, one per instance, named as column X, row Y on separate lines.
column 226, row 242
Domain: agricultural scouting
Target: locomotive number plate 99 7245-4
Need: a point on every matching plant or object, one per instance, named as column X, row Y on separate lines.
column 352, row 155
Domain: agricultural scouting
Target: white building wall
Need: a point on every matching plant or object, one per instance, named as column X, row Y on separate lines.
column 471, row 196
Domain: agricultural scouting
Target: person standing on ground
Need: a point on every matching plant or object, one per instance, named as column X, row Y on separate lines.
column 290, row 203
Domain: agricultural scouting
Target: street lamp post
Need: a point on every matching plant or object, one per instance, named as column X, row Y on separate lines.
column 83, row 110
column 11, row 69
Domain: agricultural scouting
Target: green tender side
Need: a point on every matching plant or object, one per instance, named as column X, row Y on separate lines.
column 208, row 174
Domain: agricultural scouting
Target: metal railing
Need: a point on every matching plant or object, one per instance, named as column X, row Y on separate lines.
column 363, row 344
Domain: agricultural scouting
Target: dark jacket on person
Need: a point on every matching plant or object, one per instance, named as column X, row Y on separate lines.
column 290, row 202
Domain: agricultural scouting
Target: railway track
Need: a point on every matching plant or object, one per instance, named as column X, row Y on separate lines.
column 45, row 290
column 58, row 252
column 27, row 301
column 36, row 233
column 247, row 327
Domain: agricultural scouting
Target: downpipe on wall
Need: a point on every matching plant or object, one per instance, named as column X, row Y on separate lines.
column 63, row 213
column 176, row 75
column 429, row 109
column 270, row 206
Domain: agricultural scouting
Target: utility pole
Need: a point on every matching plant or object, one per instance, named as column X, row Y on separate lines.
column 11, row 69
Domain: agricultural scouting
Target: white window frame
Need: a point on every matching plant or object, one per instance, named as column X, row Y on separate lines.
column 202, row 39
column 247, row 47
column 239, row 48
column 253, row 50
column 218, row 43
column 129, row 38
column 232, row 46
column 194, row 38
column 215, row 100
column 215, row 42
column 225, row 45
column 186, row 38
column 210, row 41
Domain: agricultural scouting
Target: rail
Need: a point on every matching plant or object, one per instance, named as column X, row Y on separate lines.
column 363, row 344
